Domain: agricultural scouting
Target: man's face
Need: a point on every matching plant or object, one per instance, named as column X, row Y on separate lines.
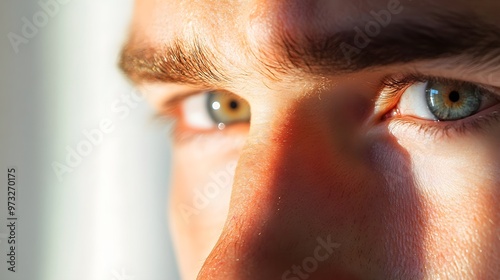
column 371, row 150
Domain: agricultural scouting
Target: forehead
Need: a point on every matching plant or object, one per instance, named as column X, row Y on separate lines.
column 159, row 21
column 247, row 40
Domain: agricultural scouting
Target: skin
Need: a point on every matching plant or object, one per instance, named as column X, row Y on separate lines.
column 399, row 201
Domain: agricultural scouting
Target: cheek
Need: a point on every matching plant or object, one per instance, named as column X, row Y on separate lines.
column 199, row 200
column 458, row 181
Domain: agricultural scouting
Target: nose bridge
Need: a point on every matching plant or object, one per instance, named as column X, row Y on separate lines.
column 295, row 149
column 274, row 158
column 288, row 172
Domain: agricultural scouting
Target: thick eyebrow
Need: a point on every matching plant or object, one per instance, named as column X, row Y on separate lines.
column 444, row 36
column 179, row 62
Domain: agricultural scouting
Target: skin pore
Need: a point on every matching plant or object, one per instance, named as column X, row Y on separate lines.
column 337, row 148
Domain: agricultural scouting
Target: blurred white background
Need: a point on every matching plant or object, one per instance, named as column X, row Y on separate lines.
column 106, row 219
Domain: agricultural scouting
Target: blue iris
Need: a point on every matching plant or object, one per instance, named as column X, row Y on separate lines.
column 452, row 101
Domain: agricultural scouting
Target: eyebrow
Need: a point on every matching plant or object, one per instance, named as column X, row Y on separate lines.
column 450, row 35
column 179, row 62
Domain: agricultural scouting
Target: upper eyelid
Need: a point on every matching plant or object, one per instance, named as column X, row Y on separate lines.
column 394, row 85
column 175, row 100
column 171, row 105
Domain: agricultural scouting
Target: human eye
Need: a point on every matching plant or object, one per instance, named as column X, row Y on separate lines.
column 212, row 110
column 437, row 104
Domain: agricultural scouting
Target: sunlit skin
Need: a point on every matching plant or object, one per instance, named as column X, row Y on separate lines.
column 324, row 154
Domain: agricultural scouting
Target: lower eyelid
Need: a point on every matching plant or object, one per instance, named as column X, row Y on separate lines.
column 426, row 130
column 230, row 137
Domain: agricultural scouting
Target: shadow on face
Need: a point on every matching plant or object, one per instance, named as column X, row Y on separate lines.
column 317, row 200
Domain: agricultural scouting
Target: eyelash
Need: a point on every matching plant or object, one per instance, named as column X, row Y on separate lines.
column 437, row 130
column 394, row 87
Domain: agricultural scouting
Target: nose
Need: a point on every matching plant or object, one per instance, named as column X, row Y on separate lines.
column 306, row 203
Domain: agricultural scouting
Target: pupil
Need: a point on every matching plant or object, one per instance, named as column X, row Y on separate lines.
column 454, row 96
column 233, row 104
